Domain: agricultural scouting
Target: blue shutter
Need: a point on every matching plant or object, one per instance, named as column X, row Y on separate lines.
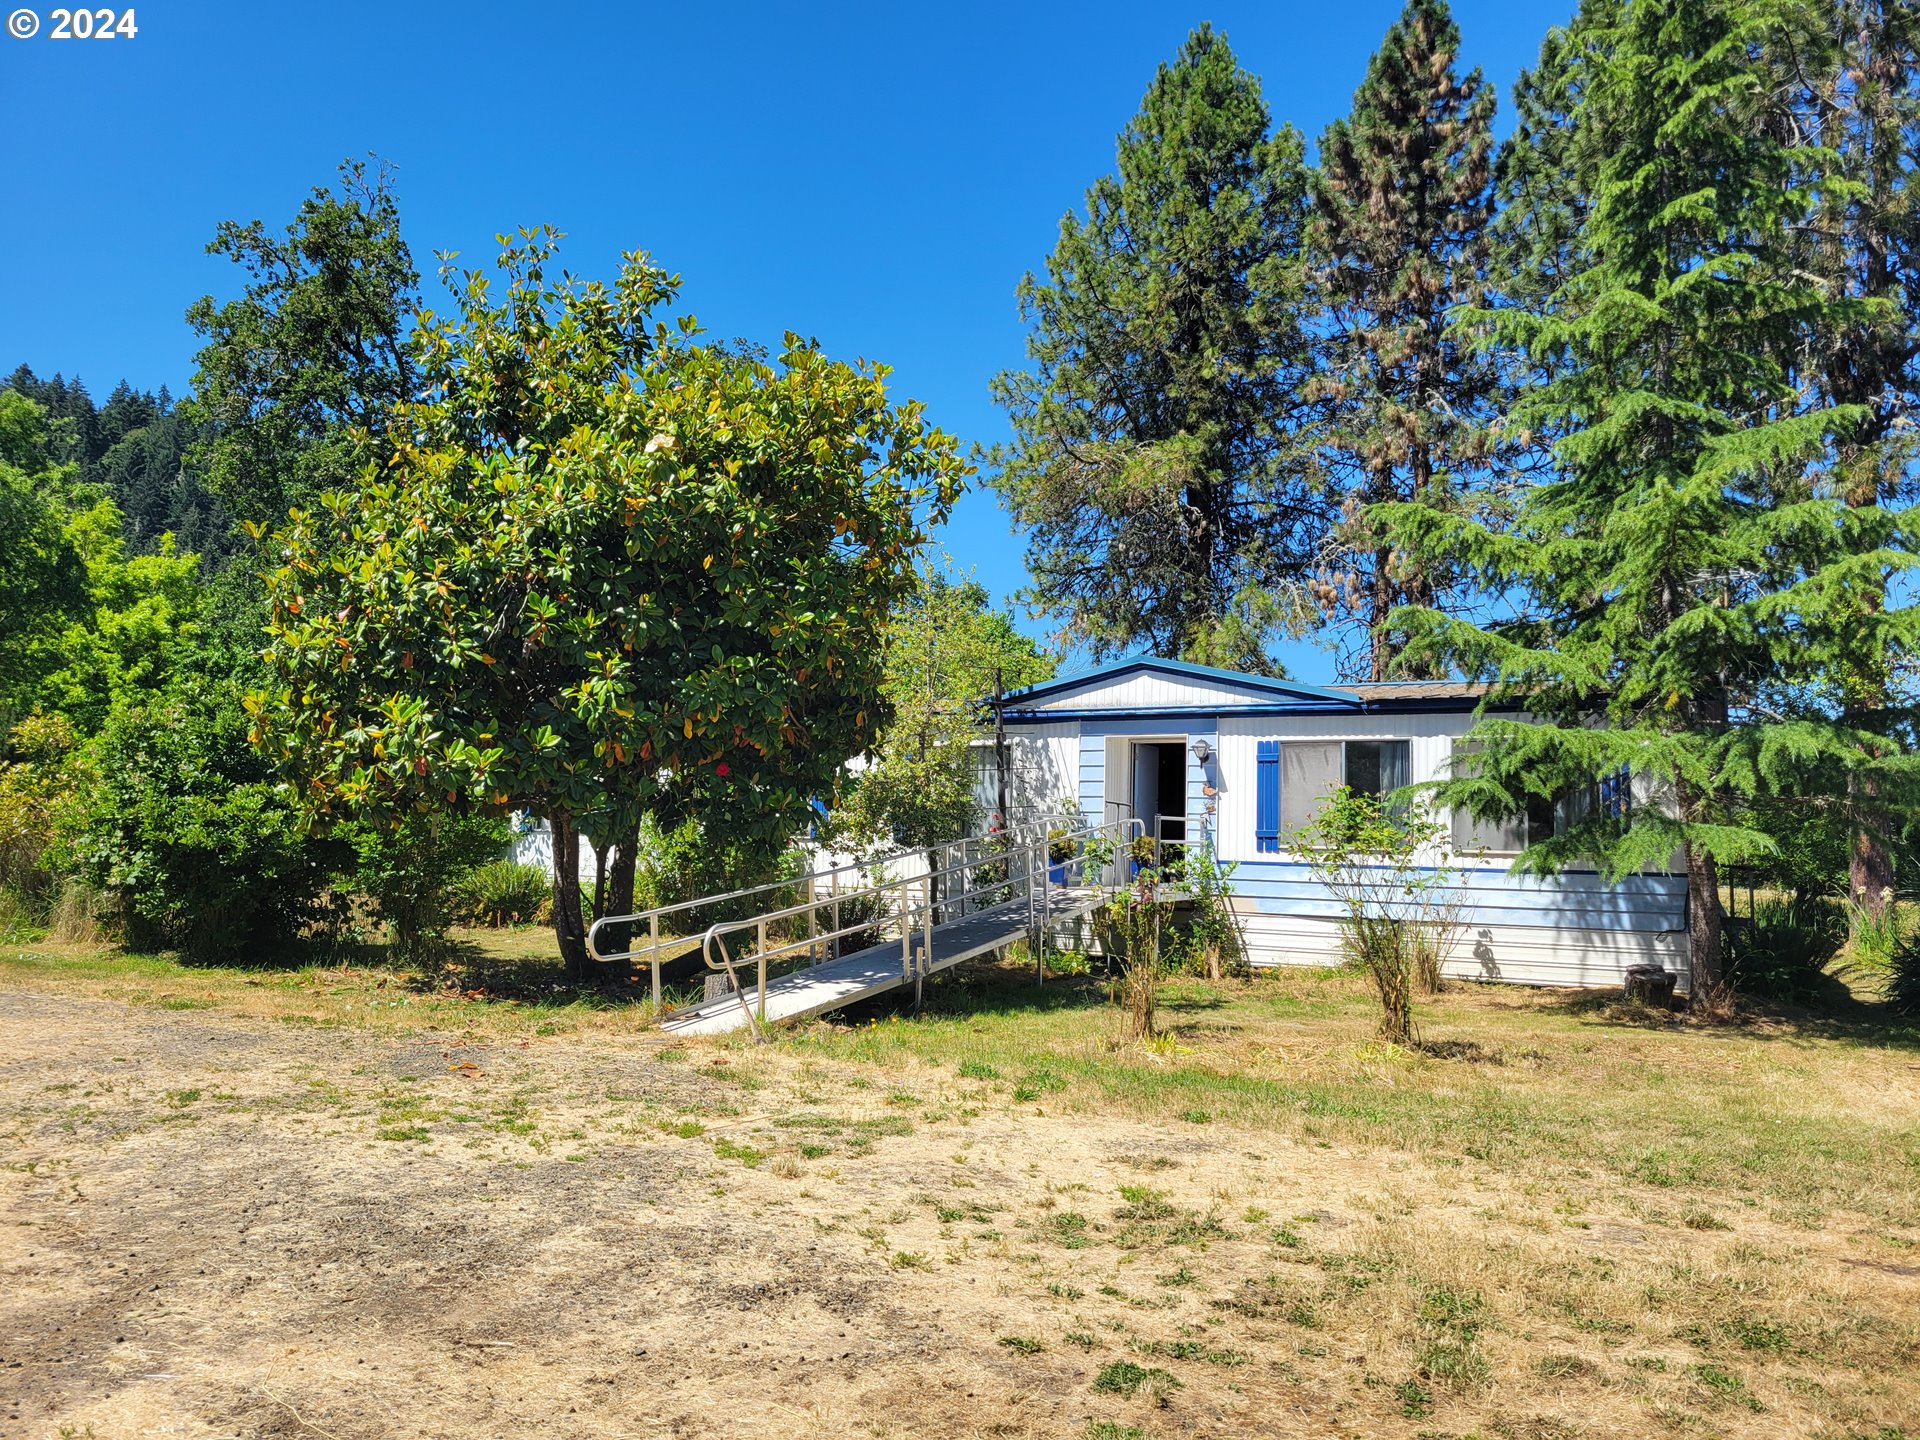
column 1266, row 809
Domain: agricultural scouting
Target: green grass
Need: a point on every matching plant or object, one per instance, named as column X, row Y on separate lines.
column 1123, row 1377
column 1559, row 1203
column 1744, row 1111
column 502, row 981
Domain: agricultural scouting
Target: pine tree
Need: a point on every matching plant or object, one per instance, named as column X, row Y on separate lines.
column 1540, row 200
column 1688, row 550
column 1154, row 463
column 1402, row 205
column 1854, row 85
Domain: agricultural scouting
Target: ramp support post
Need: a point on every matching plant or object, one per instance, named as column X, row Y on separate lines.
column 653, row 940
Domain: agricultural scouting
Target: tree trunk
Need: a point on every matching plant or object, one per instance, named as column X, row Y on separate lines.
column 1703, row 925
column 567, row 926
column 620, row 879
column 1379, row 605
column 599, row 881
column 1869, row 863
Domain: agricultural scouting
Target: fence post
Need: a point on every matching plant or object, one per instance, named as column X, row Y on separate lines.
column 1044, row 928
column 762, row 958
column 926, row 941
column 813, row 924
column 653, row 939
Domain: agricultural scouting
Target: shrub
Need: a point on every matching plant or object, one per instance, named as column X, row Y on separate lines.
column 502, row 892
column 1781, row 953
column 866, row 911
column 1402, row 915
column 1131, row 926
column 408, row 872
column 1903, row 978
column 1214, row 944
column 182, row 827
column 38, row 777
column 683, row 862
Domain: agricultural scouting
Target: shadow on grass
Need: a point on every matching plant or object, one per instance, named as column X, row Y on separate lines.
column 1008, row 991
column 1832, row 1012
column 988, row 992
column 471, row 971
column 516, row 967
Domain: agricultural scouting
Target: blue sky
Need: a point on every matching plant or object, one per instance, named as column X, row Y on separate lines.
column 878, row 177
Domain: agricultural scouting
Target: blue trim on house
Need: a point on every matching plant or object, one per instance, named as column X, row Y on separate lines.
column 1341, row 698
column 1266, row 797
column 1175, row 712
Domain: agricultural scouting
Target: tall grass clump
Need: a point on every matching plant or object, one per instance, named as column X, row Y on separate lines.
column 502, row 892
column 1873, row 938
column 1782, row 951
column 1903, row 978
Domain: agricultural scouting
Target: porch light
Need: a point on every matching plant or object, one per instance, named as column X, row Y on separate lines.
column 1202, row 751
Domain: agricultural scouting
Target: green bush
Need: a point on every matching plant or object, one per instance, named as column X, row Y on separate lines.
column 38, row 774
column 504, row 892
column 1903, row 978
column 409, row 872
column 686, row 863
column 1783, row 951
column 182, row 826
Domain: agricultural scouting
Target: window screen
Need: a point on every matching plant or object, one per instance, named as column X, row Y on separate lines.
column 1308, row 774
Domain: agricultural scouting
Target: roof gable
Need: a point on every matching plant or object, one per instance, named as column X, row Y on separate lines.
column 1150, row 684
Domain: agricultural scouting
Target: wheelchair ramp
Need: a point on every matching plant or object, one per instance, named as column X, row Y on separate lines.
column 878, row 968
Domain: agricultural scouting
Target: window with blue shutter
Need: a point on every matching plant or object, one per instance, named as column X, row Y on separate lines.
column 1266, row 809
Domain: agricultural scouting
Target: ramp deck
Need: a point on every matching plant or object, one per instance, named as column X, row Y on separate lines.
column 876, row 969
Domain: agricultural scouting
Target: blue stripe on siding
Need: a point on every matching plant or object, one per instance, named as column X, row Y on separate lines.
column 1266, row 813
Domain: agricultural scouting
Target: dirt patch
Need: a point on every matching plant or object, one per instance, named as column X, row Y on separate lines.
column 220, row 1226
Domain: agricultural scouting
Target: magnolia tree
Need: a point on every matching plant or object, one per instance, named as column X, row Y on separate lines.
column 604, row 571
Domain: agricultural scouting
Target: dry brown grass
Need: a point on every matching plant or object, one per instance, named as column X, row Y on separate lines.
column 305, row 1207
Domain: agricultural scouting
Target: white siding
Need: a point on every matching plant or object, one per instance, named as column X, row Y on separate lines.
column 1043, row 763
column 1155, row 690
column 1505, row 954
column 534, row 846
column 1512, row 954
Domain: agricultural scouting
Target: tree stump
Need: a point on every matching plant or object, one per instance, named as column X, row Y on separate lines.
column 1651, row 985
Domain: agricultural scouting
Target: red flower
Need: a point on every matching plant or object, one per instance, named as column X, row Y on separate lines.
column 722, row 770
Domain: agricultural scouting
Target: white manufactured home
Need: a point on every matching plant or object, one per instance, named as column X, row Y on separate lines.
column 1241, row 761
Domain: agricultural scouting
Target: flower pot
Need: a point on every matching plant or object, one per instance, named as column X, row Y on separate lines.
column 1057, row 872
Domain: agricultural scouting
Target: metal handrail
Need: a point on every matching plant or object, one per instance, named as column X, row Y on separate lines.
column 659, row 943
column 908, row 915
column 1161, row 840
